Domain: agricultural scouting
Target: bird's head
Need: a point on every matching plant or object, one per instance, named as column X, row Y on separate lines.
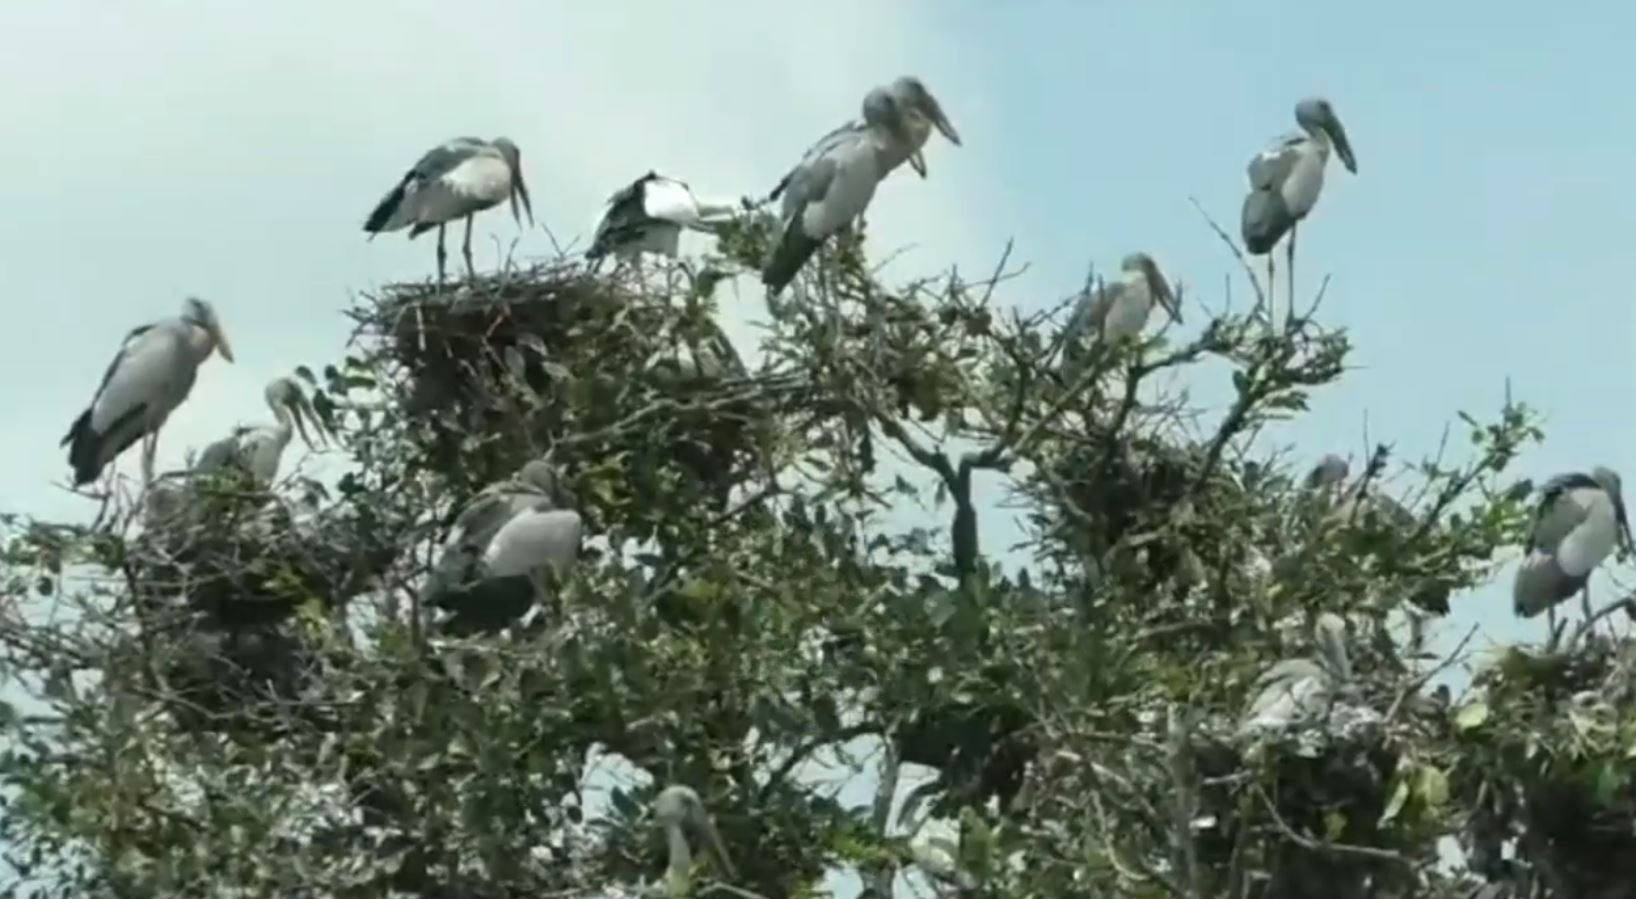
column 199, row 312
column 881, row 109
column 519, row 187
column 917, row 101
column 678, row 809
column 1317, row 113
column 285, row 393
column 1142, row 264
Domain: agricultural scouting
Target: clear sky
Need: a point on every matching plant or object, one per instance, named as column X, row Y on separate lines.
column 232, row 149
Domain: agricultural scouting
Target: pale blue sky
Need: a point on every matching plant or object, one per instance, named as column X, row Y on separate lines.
column 232, row 149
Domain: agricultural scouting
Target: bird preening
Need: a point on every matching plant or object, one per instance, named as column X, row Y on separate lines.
column 648, row 216
column 454, row 180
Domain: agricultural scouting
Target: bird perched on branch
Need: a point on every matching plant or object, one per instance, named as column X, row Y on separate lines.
column 257, row 450
column 495, row 559
column 151, row 375
column 1286, row 178
column 1580, row 519
column 454, row 180
column 1109, row 313
column 828, row 191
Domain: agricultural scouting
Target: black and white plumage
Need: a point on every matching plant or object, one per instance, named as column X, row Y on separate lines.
column 151, row 375
column 454, row 180
column 1580, row 519
column 1302, row 692
column 1109, row 313
column 678, row 809
column 1286, row 177
column 834, row 188
column 648, row 215
column 922, row 112
column 495, row 558
column 257, row 450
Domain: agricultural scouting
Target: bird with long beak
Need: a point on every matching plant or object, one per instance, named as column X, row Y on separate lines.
column 827, row 193
column 922, row 113
column 1108, row 314
column 151, row 375
column 258, row 450
column 1579, row 521
column 1287, row 177
column 678, row 809
column 454, row 180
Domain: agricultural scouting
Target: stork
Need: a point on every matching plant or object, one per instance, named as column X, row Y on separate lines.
column 454, row 180
column 151, row 375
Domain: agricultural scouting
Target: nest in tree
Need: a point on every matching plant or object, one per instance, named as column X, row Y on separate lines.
column 240, row 561
column 1546, row 764
column 596, row 366
column 237, row 678
column 1335, row 795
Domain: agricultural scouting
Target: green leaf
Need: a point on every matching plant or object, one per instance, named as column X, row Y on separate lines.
column 1431, row 786
column 1399, row 796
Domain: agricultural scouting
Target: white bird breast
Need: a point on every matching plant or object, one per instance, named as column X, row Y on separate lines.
column 1587, row 545
column 849, row 193
column 532, row 540
column 483, row 176
column 1131, row 307
column 669, row 201
column 1306, row 177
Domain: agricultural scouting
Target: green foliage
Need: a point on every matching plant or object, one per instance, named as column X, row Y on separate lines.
column 247, row 698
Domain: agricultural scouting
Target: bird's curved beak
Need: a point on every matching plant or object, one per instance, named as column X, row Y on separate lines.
column 712, row 841
column 1161, row 291
column 942, row 123
column 220, row 337
column 301, row 411
column 1343, row 146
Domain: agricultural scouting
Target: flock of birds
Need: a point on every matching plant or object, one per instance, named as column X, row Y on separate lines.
column 512, row 528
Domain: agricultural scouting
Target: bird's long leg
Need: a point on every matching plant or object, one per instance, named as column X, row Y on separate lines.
column 1585, row 602
column 1291, row 273
column 1272, row 306
column 150, row 448
column 465, row 249
column 442, row 255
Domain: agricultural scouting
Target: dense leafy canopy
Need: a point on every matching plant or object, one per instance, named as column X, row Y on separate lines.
column 244, row 695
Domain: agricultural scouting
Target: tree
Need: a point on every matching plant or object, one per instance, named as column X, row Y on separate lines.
column 249, row 697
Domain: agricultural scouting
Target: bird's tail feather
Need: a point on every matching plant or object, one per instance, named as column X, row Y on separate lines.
column 1266, row 221
column 1541, row 583
column 89, row 451
column 381, row 216
column 792, row 252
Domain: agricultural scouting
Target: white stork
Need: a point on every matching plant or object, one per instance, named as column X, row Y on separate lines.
column 1580, row 519
column 258, row 450
column 648, row 215
column 454, row 180
column 151, row 375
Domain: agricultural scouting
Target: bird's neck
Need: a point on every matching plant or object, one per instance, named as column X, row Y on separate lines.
column 1320, row 139
column 681, row 856
column 199, row 342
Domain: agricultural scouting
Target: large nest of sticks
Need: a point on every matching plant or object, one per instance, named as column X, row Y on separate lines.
column 237, row 558
column 596, row 366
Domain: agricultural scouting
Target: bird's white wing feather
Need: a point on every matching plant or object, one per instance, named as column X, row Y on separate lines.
column 1587, row 545
column 148, row 368
column 851, row 187
column 671, row 201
